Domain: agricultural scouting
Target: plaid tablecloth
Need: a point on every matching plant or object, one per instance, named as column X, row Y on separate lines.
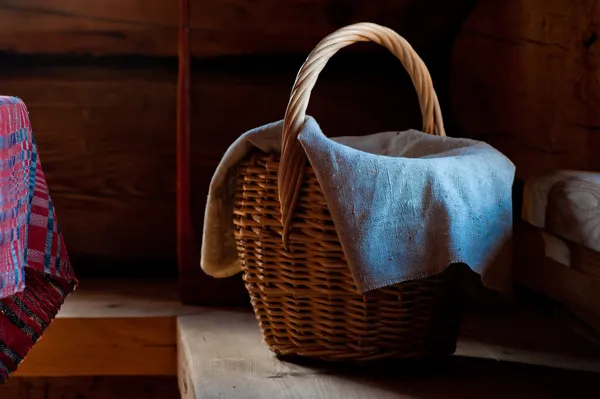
column 35, row 273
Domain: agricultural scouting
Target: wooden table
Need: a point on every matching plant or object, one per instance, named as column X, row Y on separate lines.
column 499, row 355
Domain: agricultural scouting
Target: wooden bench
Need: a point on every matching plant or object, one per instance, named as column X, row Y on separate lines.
column 559, row 246
column 221, row 355
column 111, row 327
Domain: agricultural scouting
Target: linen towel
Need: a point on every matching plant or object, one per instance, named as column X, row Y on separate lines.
column 35, row 273
column 405, row 205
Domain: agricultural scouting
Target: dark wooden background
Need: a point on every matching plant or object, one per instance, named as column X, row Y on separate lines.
column 525, row 77
column 99, row 79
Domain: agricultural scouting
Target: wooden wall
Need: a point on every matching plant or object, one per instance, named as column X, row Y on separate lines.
column 149, row 27
column 99, row 78
column 526, row 78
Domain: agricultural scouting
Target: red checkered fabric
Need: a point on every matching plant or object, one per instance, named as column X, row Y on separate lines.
column 35, row 273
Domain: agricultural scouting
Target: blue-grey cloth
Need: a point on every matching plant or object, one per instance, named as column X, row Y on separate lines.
column 406, row 205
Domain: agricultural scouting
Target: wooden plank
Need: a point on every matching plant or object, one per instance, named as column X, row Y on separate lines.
column 218, row 28
column 106, row 27
column 221, row 354
column 107, row 163
column 113, row 387
column 119, row 227
column 524, row 78
column 111, row 327
column 131, row 298
column 104, row 346
column 572, row 255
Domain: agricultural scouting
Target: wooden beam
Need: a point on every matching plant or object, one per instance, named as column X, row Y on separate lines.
column 113, row 387
column 218, row 28
column 187, row 244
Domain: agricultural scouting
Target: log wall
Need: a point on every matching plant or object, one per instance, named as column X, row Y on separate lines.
column 149, row 27
column 526, row 78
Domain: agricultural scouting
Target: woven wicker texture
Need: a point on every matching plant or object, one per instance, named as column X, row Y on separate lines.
column 305, row 298
column 301, row 288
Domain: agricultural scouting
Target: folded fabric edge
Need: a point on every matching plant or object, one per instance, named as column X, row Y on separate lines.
column 25, row 316
column 502, row 290
column 222, row 272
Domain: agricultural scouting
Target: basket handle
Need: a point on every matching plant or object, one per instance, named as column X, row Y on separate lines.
column 293, row 158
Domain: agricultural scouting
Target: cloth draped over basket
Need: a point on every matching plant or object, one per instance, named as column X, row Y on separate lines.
column 405, row 205
column 35, row 272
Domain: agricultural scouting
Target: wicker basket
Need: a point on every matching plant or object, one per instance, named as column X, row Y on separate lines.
column 300, row 285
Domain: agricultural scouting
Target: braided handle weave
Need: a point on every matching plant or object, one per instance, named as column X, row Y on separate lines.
column 293, row 158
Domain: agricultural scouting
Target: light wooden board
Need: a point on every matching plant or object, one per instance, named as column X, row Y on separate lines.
column 110, row 328
column 112, row 298
column 104, row 346
column 221, row 354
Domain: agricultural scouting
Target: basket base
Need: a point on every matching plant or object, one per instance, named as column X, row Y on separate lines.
column 422, row 332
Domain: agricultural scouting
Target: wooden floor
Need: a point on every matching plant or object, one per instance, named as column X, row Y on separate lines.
column 132, row 329
column 106, row 387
